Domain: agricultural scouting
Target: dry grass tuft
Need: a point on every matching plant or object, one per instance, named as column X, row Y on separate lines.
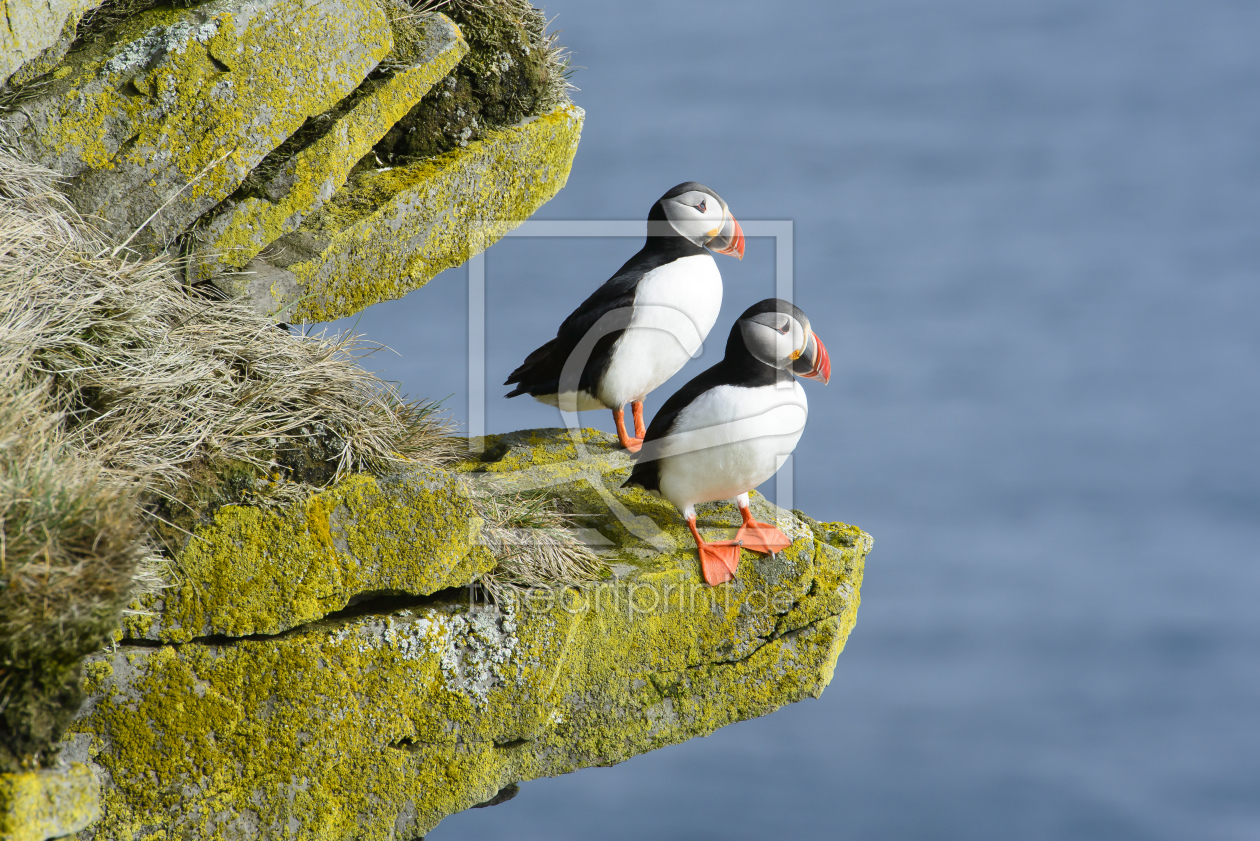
column 535, row 545
column 67, row 526
column 116, row 387
column 71, row 544
column 152, row 379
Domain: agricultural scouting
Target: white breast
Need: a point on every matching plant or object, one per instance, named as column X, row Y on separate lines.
column 674, row 309
column 730, row 440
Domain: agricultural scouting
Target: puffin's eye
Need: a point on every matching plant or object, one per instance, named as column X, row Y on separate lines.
column 700, row 206
column 785, row 329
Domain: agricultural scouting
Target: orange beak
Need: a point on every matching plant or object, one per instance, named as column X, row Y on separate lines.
column 730, row 240
column 815, row 356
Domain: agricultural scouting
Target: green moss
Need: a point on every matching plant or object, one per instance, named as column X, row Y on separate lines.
column 212, row 483
column 302, row 462
column 40, row 702
column 562, row 448
column 506, row 77
column 378, row 726
column 303, row 459
column 255, row 570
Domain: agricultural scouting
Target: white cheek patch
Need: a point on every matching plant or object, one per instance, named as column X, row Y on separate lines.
column 785, row 344
column 715, row 216
column 767, row 343
column 686, row 218
column 691, row 225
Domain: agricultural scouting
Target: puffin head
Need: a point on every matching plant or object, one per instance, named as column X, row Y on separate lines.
column 777, row 333
column 693, row 211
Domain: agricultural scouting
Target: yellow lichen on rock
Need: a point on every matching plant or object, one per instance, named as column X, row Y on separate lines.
column 262, row 571
column 39, row 805
column 389, row 230
column 379, row 724
column 171, row 113
column 242, row 227
column 35, row 33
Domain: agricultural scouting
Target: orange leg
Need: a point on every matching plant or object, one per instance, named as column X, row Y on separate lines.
column 760, row 537
column 640, row 431
column 631, row 444
column 718, row 560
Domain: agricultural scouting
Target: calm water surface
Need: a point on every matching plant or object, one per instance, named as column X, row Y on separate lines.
column 1029, row 233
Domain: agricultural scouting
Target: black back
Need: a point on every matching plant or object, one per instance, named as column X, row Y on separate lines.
column 540, row 373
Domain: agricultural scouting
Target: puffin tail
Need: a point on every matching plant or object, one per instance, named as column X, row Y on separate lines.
column 644, row 476
column 537, row 368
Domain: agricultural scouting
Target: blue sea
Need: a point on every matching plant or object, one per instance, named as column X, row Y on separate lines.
column 1029, row 233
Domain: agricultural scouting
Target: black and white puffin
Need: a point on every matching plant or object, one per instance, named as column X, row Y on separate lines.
column 732, row 427
column 639, row 328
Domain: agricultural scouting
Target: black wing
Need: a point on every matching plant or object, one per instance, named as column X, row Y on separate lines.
column 540, row 373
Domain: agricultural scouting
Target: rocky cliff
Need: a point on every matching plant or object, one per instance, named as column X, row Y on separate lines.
column 253, row 137
column 330, row 671
column 323, row 659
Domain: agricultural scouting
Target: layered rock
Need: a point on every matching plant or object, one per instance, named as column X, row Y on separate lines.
column 246, row 135
column 300, row 176
column 378, row 720
column 160, row 122
column 390, row 229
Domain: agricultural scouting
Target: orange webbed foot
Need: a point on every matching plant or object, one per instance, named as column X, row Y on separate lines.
column 718, row 561
column 763, row 538
column 760, row 537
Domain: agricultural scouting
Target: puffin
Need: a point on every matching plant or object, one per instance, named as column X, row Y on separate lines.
column 639, row 328
column 732, row 427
